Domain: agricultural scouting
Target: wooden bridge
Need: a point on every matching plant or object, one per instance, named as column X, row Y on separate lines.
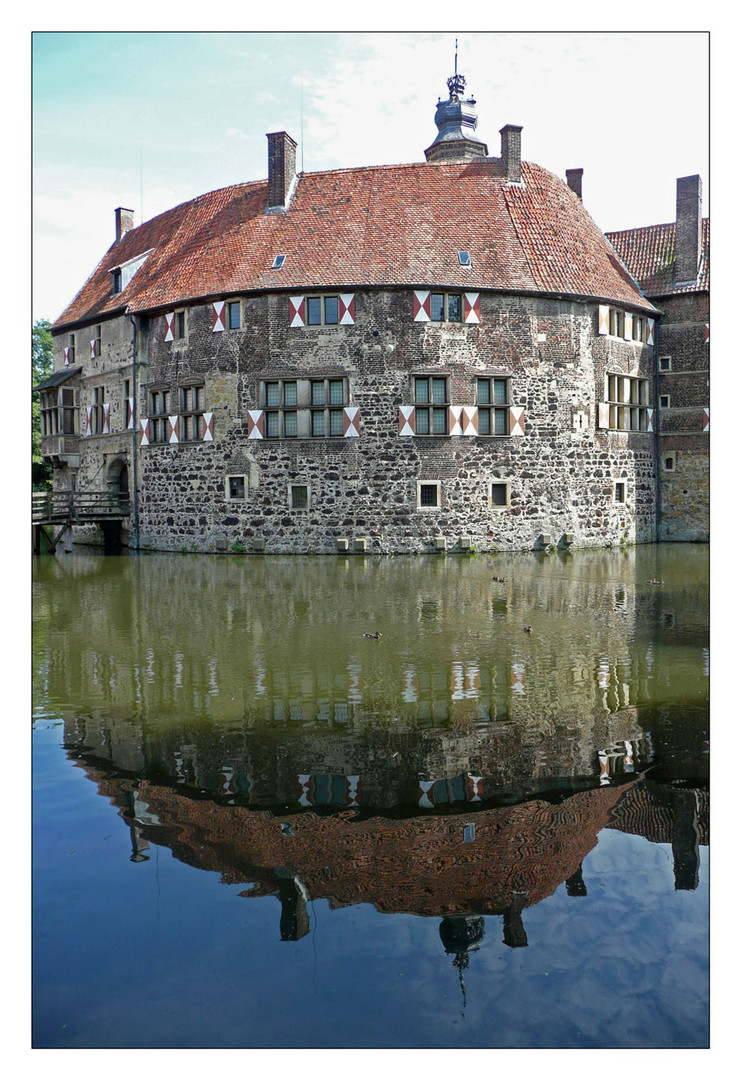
column 54, row 512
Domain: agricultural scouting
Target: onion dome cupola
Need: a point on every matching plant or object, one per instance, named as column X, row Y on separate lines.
column 456, row 122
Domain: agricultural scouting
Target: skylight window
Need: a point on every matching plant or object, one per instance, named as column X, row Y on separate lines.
column 278, row 262
column 464, row 258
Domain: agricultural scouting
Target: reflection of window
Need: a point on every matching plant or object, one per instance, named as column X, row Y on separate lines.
column 627, row 398
column 192, row 427
column 428, row 493
column 431, row 405
column 492, row 396
column 236, row 488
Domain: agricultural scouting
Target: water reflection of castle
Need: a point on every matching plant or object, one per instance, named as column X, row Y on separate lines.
column 450, row 852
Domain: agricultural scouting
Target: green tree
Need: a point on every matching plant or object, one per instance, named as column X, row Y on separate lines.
column 42, row 364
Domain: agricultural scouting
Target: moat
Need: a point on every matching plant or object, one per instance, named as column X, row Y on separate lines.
column 371, row 801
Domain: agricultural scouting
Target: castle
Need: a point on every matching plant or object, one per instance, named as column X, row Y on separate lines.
column 441, row 356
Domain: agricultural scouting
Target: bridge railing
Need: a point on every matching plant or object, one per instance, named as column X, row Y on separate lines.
column 52, row 506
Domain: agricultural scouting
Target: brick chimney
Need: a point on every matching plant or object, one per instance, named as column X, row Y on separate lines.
column 688, row 239
column 573, row 179
column 124, row 221
column 281, row 169
column 511, row 152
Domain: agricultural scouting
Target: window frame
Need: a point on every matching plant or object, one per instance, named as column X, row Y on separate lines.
column 315, row 410
column 443, row 297
column 192, row 405
column 500, row 411
column 435, row 485
column 294, row 487
column 497, row 506
column 620, row 492
column 229, row 496
column 158, row 412
column 230, row 306
column 434, row 409
column 321, row 299
column 636, row 408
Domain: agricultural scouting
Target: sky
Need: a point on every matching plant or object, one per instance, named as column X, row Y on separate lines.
column 147, row 120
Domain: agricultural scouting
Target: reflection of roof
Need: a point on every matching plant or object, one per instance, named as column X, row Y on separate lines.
column 422, row 865
column 649, row 255
column 399, row 225
column 650, row 810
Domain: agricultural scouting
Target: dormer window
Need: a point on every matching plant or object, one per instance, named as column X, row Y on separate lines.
column 122, row 275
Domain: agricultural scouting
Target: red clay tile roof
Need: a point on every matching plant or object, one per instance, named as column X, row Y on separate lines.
column 386, row 225
column 649, row 255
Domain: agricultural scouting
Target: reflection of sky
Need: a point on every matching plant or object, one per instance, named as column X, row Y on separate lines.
column 159, row 953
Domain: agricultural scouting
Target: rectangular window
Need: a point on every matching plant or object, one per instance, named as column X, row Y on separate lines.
column 159, row 408
column 431, row 402
column 305, row 406
column 127, row 402
column 192, row 400
column 97, row 418
column 446, row 307
column 72, row 348
column 236, row 488
column 428, row 493
column 617, row 322
column 493, row 400
column 664, row 401
column 98, row 340
column 639, row 328
column 322, row 310
column 665, row 363
column 627, row 399
column 178, row 326
column 620, row 492
column 233, row 315
column 499, row 494
column 670, row 463
column 299, row 497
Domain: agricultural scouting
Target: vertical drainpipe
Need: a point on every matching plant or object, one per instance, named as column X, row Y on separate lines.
column 657, row 426
column 134, row 424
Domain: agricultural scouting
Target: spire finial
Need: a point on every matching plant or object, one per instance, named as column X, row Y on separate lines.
column 456, row 82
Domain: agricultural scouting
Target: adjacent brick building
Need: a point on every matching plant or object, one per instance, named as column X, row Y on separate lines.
column 391, row 359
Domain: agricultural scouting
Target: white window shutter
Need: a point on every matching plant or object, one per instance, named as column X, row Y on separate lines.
column 255, row 424
column 170, row 326
column 406, row 419
column 107, row 418
column 173, row 428
column 208, row 427
column 649, row 419
column 144, row 427
column 604, row 319
column 628, row 327
column 470, row 420
column 471, row 307
column 347, row 309
column 351, row 421
column 603, row 414
column 516, row 420
column 650, row 339
column 422, row 305
column 131, row 413
column 218, row 320
column 297, row 310
column 454, row 414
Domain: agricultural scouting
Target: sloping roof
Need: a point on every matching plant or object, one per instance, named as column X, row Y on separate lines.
column 385, row 225
column 57, row 378
column 649, row 255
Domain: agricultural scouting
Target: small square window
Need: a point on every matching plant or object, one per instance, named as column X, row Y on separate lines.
column 236, row 488
column 464, row 258
column 665, row 363
column 664, row 401
column 499, row 494
column 278, row 262
column 428, row 494
column 670, row 463
column 299, row 497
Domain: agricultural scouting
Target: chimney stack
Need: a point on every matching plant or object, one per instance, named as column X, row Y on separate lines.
column 511, row 152
column 281, row 169
column 573, row 179
column 124, row 221
column 688, row 237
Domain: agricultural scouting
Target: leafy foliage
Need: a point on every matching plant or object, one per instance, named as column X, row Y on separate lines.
column 42, row 364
